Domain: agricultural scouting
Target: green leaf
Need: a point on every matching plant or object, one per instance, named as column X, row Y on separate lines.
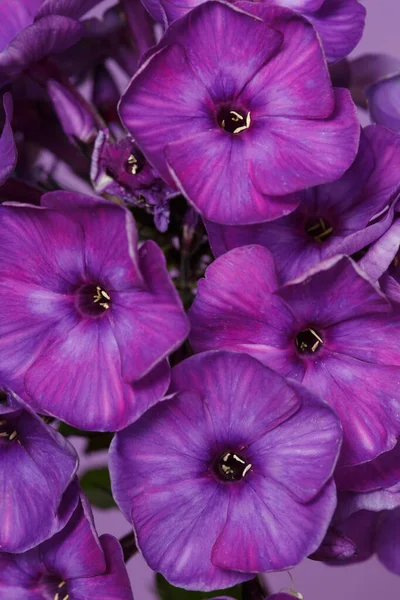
column 68, row 431
column 166, row 591
column 97, row 486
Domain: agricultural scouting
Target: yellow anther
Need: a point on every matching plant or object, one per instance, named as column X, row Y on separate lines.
column 60, row 585
column 246, row 469
column 101, row 295
column 57, row 596
column 13, row 435
column 133, row 163
column 4, row 434
column 242, row 127
column 236, row 116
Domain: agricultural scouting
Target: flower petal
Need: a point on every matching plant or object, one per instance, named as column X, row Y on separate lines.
column 8, row 151
column 300, row 153
column 283, row 533
column 300, row 454
column 37, row 467
column 113, row 584
column 295, row 82
column 148, row 322
column 340, row 25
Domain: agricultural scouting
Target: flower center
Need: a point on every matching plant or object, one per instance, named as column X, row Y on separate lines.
column 308, row 341
column 233, row 121
column 231, row 467
column 93, row 300
column 7, row 431
column 133, row 165
column 53, row 586
column 61, row 593
column 319, row 229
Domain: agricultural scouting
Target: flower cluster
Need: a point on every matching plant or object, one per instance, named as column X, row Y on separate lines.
column 199, row 267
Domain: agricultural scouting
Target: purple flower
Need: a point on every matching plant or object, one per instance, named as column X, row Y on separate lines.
column 31, row 30
column 331, row 219
column 119, row 169
column 87, row 319
column 280, row 596
column 331, row 329
column 339, row 23
column 232, row 473
column 8, row 151
column 383, row 102
column 372, row 522
column 239, row 123
column 381, row 473
column 37, row 466
column 72, row 565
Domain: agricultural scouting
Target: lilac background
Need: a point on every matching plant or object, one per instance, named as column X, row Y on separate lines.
column 368, row 581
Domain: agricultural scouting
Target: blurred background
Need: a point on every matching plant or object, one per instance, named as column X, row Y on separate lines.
column 367, row 581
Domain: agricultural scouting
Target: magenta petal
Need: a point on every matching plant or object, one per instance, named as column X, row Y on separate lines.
column 75, row 551
column 382, row 472
column 295, row 82
column 237, row 317
column 175, row 514
column 148, row 322
column 24, row 333
column 165, row 102
column 165, row 445
column 302, row 6
column 66, row 8
column 113, row 584
column 330, row 281
column 367, row 399
column 47, row 36
column 15, row 15
column 307, row 152
column 301, row 453
column 49, row 256
column 37, row 467
column 8, row 151
column 215, row 374
column 209, row 35
column 115, row 264
column 340, row 25
column 202, row 167
column 91, row 394
column 270, row 543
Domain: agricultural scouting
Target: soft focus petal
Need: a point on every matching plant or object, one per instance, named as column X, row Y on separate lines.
column 47, row 36
column 340, row 25
column 66, row 8
column 387, row 541
column 8, row 151
column 382, row 472
column 383, row 102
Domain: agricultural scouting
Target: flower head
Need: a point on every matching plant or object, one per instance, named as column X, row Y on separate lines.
column 240, row 123
column 316, row 329
column 73, row 564
column 37, row 466
column 233, row 473
column 88, row 318
column 331, row 219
